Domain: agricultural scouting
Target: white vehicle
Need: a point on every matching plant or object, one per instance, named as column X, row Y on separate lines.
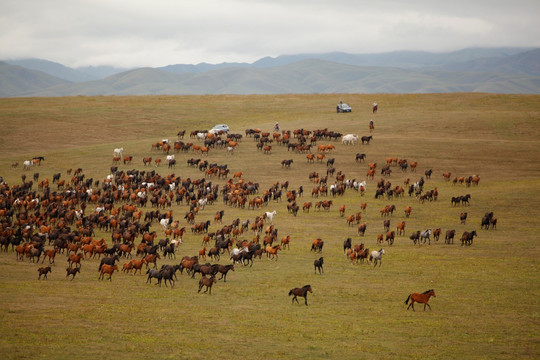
column 218, row 128
column 343, row 108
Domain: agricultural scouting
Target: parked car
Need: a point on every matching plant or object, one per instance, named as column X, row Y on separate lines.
column 343, row 108
column 218, row 128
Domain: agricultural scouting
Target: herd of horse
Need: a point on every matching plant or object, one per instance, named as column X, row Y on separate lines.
column 61, row 219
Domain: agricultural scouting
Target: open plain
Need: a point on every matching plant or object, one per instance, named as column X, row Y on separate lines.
column 487, row 294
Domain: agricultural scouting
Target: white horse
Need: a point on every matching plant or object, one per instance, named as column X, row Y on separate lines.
column 118, row 152
column 358, row 185
column 165, row 223
column 201, row 136
column 270, row 215
column 349, row 139
column 27, row 164
column 426, row 235
column 237, row 251
column 202, row 203
column 170, row 157
column 376, row 256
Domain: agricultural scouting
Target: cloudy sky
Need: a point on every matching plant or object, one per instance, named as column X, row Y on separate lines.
column 134, row 33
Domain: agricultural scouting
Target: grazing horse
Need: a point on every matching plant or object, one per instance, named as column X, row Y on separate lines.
column 420, row 298
column 319, row 265
column 44, row 271
column 300, row 292
column 208, row 282
column 376, row 256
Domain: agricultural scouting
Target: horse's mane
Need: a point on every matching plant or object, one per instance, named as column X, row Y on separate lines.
column 306, row 286
column 425, row 292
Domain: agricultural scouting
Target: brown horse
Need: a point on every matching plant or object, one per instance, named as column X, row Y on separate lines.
column 72, row 272
column 300, row 292
column 420, row 298
column 272, row 252
column 44, row 271
column 107, row 269
column 208, row 282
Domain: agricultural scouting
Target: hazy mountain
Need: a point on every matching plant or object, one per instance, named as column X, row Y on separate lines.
column 100, row 72
column 80, row 74
column 523, row 63
column 58, row 70
column 504, row 70
column 17, row 80
column 202, row 67
column 306, row 76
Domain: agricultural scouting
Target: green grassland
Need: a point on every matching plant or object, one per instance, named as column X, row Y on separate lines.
column 487, row 304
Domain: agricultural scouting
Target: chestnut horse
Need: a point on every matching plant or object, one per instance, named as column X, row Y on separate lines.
column 420, row 298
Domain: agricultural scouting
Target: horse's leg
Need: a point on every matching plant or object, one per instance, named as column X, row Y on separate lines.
column 305, row 298
column 428, row 307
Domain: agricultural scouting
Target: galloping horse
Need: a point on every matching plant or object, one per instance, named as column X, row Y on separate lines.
column 376, row 256
column 420, row 298
column 300, row 292
column 319, row 265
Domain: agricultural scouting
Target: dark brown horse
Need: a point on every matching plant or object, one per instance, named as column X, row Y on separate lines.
column 319, row 265
column 300, row 292
column 420, row 298
column 44, row 271
column 208, row 282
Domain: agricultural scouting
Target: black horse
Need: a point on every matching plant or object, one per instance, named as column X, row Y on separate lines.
column 300, row 292
column 319, row 265
column 360, row 157
column 109, row 261
column 366, row 139
column 347, row 244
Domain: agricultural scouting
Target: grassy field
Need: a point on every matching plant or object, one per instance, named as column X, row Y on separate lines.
column 487, row 304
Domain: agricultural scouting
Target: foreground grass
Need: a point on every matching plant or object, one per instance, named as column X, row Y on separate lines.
column 487, row 294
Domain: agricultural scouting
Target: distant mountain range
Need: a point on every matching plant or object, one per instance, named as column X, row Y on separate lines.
column 493, row 70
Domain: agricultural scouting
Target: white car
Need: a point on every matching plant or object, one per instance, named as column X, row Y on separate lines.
column 343, row 108
column 218, row 128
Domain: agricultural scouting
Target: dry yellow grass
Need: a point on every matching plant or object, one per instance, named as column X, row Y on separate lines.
column 487, row 294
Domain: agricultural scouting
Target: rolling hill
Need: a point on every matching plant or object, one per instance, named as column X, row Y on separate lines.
column 471, row 70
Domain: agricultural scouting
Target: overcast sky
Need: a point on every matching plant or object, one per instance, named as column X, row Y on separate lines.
column 135, row 33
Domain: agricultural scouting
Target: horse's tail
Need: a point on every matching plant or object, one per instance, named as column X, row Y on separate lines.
column 290, row 292
column 407, row 301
